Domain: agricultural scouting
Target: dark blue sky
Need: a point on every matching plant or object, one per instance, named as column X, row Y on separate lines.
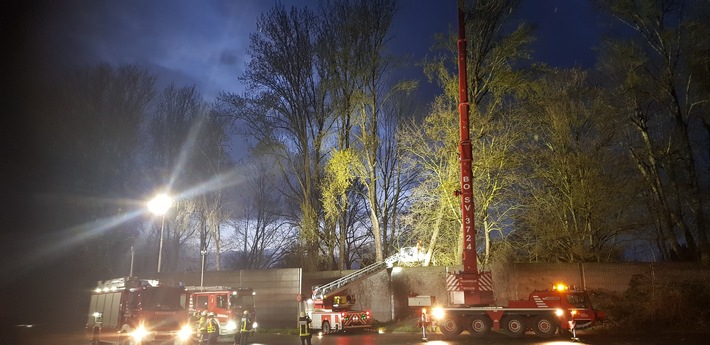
column 204, row 42
column 567, row 31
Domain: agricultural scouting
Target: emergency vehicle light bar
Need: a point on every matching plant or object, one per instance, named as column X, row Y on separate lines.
column 122, row 283
column 209, row 288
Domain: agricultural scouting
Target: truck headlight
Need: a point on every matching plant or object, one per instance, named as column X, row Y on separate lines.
column 437, row 312
column 231, row 325
column 185, row 333
column 139, row 333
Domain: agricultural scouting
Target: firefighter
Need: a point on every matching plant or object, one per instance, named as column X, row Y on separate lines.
column 245, row 326
column 304, row 328
column 202, row 327
column 423, row 323
column 212, row 329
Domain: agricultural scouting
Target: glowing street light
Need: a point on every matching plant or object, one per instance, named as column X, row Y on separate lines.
column 159, row 206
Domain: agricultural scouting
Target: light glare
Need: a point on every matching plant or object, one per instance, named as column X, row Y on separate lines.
column 160, row 204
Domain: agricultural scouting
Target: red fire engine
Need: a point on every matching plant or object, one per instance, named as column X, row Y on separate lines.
column 335, row 313
column 470, row 290
column 131, row 311
column 227, row 303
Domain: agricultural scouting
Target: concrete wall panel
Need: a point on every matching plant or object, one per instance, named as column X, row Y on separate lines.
column 275, row 291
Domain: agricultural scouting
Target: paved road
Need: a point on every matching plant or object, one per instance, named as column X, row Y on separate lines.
column 500, row 339
column 410, row 338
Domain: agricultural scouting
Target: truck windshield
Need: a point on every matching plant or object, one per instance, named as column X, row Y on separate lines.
column 578, row 300
column 242, row 302
column 162, row 298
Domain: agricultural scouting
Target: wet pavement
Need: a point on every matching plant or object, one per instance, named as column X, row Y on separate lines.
column 413, row 338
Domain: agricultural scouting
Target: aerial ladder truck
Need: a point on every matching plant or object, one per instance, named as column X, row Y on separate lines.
column 332, row 311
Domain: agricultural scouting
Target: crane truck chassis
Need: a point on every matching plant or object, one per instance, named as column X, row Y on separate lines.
column 544, row 312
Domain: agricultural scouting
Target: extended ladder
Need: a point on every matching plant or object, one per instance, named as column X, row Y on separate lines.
column 407, row 254
column 321, row 291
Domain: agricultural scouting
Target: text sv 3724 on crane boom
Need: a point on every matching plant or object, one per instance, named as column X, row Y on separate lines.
column 471, row 301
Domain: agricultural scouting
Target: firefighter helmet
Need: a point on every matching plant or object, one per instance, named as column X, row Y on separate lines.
column 211, row 314
column 204, row 313
column 246, row 312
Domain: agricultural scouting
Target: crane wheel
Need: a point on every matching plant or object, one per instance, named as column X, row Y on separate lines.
column 514, row 326
column 478, row 325
column 450, row 327
column 544, row 326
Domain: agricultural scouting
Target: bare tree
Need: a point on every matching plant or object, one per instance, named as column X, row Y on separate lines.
column 283, row 109
column 190, row 143
column 377, row 16
column 395, row 180
column 92, row 141
column 262, row 235
column 430, row 150
column 352, row 36
column 664, row 88
column 580, row 199
column 340, row 69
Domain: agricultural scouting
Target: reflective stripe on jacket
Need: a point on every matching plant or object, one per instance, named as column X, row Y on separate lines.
column 303, row 326
column 211, row 326
column 245, row 324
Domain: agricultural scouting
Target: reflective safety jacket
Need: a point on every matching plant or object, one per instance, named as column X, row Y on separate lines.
column 246, row 324
column 211, row 325
column 202, row 324
column 304, row 325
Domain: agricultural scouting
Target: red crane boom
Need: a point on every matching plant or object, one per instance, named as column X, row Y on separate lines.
column 469, row 278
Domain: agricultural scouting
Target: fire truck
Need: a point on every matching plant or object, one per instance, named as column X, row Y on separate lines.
column 335, row 313
column 227, row 303
column 132, row 311
column 470, row 291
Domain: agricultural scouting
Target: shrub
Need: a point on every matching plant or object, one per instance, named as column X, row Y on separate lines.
column 652, row 304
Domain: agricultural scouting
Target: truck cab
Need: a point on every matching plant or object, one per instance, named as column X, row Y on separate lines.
column 227, row 303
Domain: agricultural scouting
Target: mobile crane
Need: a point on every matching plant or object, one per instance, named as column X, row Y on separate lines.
column 471, row 301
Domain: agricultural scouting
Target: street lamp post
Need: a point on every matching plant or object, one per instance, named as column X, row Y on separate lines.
column 130, row 274
column 160, row 206
column 160, row 249
column 203, row 252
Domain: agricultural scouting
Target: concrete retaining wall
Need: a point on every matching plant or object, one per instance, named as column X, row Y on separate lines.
column 385, row 293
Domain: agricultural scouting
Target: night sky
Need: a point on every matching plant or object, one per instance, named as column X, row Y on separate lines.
column 204, row 42
column 185, row 42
